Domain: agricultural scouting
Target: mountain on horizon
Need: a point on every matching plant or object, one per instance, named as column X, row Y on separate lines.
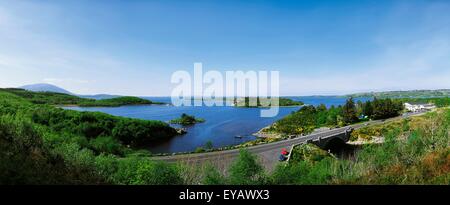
column 44, row 87
column 405, row 94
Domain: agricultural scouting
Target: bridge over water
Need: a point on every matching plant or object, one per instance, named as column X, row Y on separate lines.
column 268, row 154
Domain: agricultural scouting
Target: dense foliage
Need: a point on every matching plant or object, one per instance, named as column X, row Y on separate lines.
column 416, row 153
column 101, row 132
column 258, row 102
column 50, row 98
column 186, row 120
column 26, row 159
column 40, row 144
column 308, row 118
column 114, row 102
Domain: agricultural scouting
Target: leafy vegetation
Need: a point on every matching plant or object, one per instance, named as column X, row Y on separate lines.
column 415, row 154
column 50, row 98
column 257, row 102
column 308, row 118
column 115, row 102
column 41, row 144
column 308, row 152
column 26, row 159
column 246, row 170
column 186, row 120
column 97, row 131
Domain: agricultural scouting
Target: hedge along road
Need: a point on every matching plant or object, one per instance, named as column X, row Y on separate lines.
column 268, row 154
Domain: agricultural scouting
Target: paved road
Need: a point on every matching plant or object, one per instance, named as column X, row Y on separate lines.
column 268, row 153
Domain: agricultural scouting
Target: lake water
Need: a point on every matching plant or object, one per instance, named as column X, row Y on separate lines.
column 222, row 123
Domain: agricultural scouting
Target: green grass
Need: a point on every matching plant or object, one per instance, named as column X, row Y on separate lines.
column 42, row 144
column 49, row 98
column 415, row 154
column 115, row 102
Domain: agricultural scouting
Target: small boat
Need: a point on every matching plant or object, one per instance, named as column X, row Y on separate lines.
column 239, row 136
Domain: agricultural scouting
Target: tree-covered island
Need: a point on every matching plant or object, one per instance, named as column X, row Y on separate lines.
column 249, row 102
column 186, row 120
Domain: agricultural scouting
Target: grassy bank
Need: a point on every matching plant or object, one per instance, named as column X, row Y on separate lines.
column 49, row 98
column 41, row 144
column 415, row 151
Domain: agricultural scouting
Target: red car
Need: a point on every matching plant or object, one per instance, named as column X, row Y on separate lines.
column 284, row 152
column 284, row 155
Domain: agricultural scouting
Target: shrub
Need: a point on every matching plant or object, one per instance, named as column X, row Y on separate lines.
column 157, row 173
column 212, row 176
column 105, row 144
column 246, row 170
column 26, row 160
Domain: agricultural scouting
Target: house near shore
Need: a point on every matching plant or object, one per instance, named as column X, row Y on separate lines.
column 419, row 107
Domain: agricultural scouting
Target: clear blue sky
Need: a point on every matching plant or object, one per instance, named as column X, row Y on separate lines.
column 133, row 47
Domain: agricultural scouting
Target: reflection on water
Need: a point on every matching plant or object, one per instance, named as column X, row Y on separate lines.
column 222, row 123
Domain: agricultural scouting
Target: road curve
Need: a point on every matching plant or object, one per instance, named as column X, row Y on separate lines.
column 267, row 153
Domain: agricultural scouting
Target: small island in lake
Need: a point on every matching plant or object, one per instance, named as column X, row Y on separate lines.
column 261, row 102
column 186, row 119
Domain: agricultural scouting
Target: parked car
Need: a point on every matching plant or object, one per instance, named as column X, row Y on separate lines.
column 284, row 152
column 282, row 158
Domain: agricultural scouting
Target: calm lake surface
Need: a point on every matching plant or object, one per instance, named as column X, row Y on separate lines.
column 222, row 123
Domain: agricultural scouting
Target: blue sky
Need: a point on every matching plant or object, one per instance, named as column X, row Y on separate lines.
column 133, row 47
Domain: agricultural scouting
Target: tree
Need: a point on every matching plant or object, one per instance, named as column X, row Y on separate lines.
column 386, row 108
column 209, row 145
column 246, row 170
column 368, row 109
column 322, row 108
column 359, row 108
column 349, row 112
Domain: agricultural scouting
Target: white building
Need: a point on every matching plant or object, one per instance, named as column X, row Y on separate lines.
column 412, row 107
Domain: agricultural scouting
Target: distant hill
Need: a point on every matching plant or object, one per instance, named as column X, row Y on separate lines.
column 53, row 98
column 99, row 96
column 43, row 87
column 405, row 94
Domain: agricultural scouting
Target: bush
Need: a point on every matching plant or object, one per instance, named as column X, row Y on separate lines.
column 157, row 173
column 26, row 160
column 200, row 150
column 246, row 170
column 106, row 145
column 308, row 152
column 212, row 176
